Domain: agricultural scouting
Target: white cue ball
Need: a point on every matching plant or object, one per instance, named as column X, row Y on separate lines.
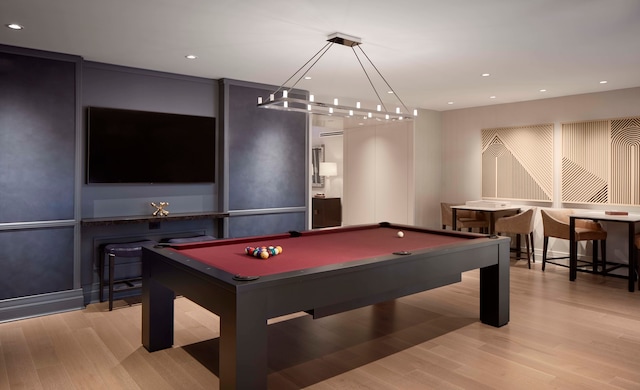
column 400, row 234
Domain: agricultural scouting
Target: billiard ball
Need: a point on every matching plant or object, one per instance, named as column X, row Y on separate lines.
column 264, row 254
column 400, row 234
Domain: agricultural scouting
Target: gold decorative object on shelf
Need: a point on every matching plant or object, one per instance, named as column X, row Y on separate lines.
column 160, row 211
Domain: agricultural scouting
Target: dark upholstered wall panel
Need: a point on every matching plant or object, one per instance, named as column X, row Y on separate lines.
column 37, row 138
column 255, row 225
column 105, row 85
column 267, row 153
column 35, row 261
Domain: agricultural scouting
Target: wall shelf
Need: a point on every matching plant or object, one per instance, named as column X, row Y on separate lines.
column 106, row 221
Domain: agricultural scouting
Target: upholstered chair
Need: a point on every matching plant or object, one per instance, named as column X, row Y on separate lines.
column 637, row 242
column 466, row 219
column 520, row 224
column 556, row 225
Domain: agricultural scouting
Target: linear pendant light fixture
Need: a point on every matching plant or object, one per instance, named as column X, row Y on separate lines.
column 286, row 103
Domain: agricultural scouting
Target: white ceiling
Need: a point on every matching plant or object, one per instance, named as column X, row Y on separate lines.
column 430, row 52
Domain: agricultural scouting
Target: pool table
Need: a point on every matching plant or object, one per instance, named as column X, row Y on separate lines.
column 322, row 272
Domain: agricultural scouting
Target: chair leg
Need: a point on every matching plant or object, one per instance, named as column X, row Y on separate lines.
column 595, row 258
column 545, row 244
column 112, row 260
column 101, row 273
column 603, row 245
column 526, row 239
column 533, row 250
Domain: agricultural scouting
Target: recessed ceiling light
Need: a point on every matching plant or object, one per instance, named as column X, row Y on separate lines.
column 492, row 97
column 603, row 82
column 486, row 74
column 15, row 26
column 191, row 57
column 449, row 102
column 543, row 90
column 307, row 77
column 390, row 92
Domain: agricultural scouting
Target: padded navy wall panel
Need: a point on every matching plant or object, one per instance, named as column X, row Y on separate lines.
column 36, row 261
column 37, row 138
column 107, row 85
column 265, row 162
column 267, row 153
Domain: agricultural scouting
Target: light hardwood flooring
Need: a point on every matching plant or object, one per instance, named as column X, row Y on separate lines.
column 562, row 335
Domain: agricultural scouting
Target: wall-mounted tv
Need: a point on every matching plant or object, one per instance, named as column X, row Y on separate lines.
column 129, row 146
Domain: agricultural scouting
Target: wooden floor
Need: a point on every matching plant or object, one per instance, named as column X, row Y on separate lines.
column 562, row 335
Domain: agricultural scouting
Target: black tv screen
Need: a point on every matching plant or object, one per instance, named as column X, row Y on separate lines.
column 129, row 146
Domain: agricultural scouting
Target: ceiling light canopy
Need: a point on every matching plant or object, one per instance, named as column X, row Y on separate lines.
column 310, row 105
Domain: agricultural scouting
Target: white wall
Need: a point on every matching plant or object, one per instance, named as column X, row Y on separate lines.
column 461, row 140
column 441, row 159
column 379, row 173
column 461, row 136
column 427, row 151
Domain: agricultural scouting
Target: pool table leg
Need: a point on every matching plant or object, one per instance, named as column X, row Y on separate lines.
column 157, row 314
column 494, row 290
column 243, row 344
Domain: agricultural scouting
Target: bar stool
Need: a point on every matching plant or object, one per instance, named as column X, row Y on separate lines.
column 556, row 224
column 520, row 224
column 128, row 256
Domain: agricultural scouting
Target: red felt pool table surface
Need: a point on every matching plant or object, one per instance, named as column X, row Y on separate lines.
column 313, row 249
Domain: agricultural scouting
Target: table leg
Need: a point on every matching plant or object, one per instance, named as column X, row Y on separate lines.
column 454, row 219
column 573, row 249
column 494, row 290
column 157, row 313
column 243, row 345
column 492, row 224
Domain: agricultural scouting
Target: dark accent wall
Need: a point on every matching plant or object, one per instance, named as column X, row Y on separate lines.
column 37, row 172
column 265, row 162
column 49, row 257
column 37, row 138
column 105, row 85
column 36, row 261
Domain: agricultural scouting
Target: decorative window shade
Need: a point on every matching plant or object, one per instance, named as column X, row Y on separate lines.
column 517, row 163
column 601, row 162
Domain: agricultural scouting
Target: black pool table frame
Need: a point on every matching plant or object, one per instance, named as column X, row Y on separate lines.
column 245, row 306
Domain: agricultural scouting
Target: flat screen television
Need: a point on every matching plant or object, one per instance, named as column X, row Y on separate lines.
column 130, row 146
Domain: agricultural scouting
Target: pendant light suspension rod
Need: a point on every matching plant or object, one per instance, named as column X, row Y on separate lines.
column 325, row 48
column 385, row 80
column 369, row 78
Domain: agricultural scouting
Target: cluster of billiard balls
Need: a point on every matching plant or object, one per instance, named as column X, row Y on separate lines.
column 263, row 252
